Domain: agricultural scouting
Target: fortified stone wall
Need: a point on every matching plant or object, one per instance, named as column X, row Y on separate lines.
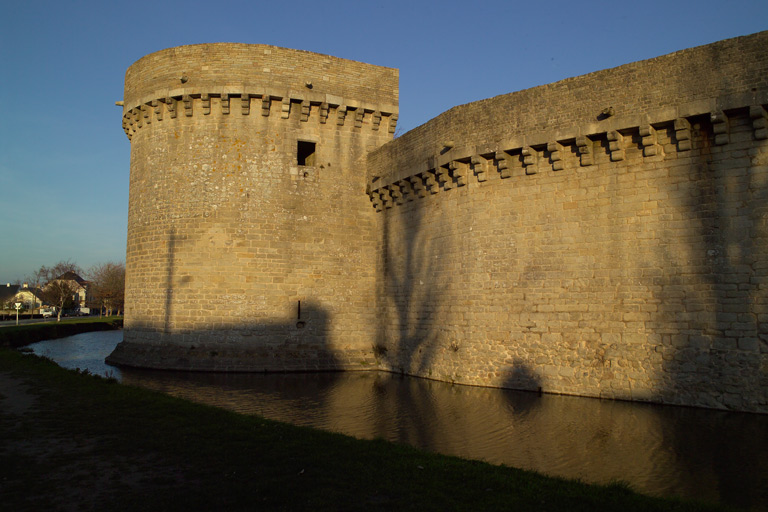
column 606, row 235
column 251, row 242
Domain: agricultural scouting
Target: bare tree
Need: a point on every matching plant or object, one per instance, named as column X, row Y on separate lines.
column 59, row 292
column 45, row 275
column 108, row 286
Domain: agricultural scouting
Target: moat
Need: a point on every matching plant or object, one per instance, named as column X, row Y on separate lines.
column 661, row 450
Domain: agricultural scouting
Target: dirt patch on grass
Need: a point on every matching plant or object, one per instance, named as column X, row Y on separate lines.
column 48, row 466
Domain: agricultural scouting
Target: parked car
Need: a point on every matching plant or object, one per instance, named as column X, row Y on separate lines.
column 83, row 311
column 47, row 313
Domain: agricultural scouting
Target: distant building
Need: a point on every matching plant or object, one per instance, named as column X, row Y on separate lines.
column 10, row 294
column 80, row 286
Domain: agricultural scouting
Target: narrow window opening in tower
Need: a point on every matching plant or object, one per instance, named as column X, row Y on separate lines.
column 305, row 153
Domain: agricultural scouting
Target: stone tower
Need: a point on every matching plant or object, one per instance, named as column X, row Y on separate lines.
column 251, row 240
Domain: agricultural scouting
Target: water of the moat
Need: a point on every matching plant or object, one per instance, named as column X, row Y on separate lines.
column 662, row 450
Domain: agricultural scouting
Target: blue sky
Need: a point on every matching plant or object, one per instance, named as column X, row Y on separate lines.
column 64, row 158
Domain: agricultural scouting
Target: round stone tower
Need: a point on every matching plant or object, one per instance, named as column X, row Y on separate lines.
column 251, row 242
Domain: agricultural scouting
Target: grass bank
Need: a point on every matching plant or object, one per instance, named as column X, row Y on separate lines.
column 19, row 335
column 79, row 442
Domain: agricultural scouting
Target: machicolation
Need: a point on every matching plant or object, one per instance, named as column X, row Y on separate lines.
column 605, row 235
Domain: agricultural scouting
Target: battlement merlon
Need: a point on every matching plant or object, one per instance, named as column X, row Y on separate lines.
column 234, row 68
column 714, row 78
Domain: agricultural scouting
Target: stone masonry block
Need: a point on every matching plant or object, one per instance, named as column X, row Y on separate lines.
column 504, row 164
column 530, row 160
column 720, row 128
column 585, row 150
column 616, row 146
column 759, row 121
column 683, row 134
column 480, row 167
column 224, row 102
column 417, row 184
column 649, row 140
column 459, row 172
column 555, row 150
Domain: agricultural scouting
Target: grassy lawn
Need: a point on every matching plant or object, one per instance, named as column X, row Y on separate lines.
column 79, row 442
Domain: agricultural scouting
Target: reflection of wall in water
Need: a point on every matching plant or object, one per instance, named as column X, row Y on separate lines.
column 661, row 450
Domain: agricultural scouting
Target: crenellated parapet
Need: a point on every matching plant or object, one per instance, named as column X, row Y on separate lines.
column 527, row 157
column 305, row 106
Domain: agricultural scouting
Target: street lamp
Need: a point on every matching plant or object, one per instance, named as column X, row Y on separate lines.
column 18, row 307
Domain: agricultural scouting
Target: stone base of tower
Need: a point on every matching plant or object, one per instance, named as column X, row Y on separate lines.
column 259, row 359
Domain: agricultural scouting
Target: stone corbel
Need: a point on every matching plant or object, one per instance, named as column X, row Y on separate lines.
column 479, row 167
column 146, row 113
column 443, row 174
column 158, row 109
column 341, row 115
column 206, row 100
column 555, row 150
column 406, row 187
column 266, row 105
column 375, row 198
column 759, row 121
column 459, row 171
column 720, row 128
column 359, row 114
column 386, row 197
column 187, row 100
column 417, row 185
column 305, row 108
column 285, row 108
column 616, row 146
column 224, row 100
column 585, row 151
column 503, row 163
column 376, row 120
column 683, row 134
column 396, row 192
column 431, row 182
column 170, row 105
column 323, row 113
column 530, row 160
column 392, row 123
column 649, row 140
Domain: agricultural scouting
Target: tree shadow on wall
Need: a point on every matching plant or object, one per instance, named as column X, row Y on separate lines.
column 712, row 297
column 411, row 291
column 716, row 355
